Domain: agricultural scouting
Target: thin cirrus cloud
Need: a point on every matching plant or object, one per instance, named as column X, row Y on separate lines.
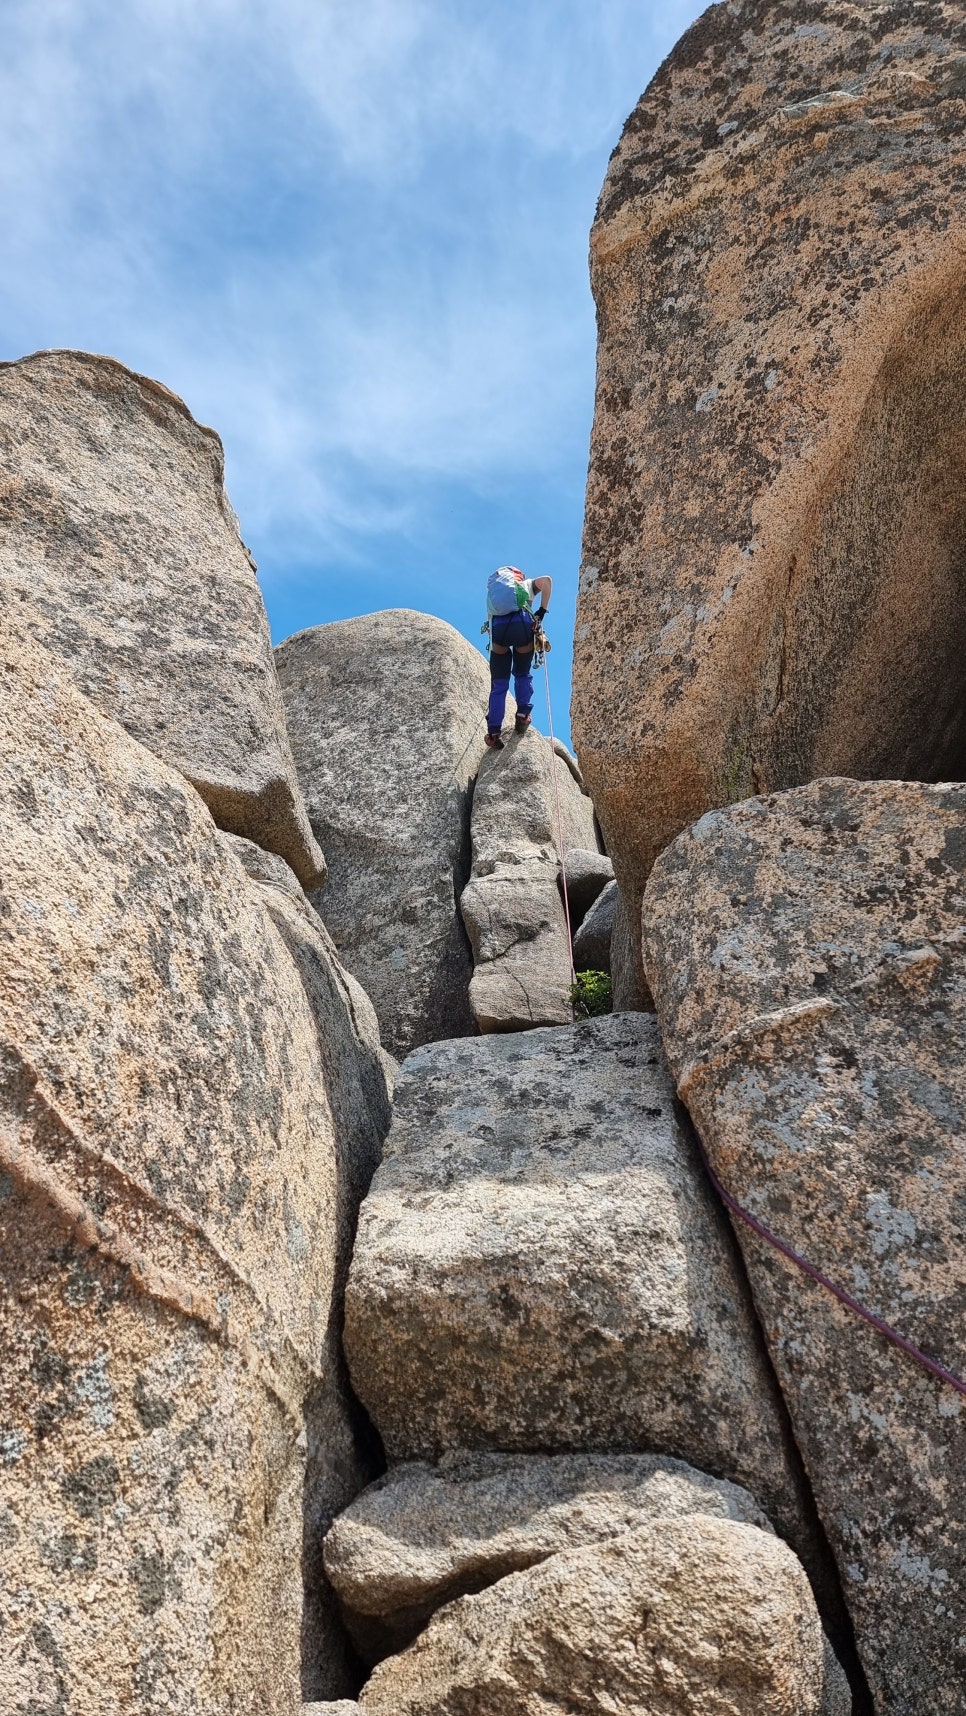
column 352, row 235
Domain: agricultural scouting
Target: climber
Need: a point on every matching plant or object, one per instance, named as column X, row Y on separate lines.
column 512, row 623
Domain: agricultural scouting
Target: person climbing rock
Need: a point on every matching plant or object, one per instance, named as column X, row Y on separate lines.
column 512, row 622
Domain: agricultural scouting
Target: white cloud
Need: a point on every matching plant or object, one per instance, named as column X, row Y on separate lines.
column 351, row 232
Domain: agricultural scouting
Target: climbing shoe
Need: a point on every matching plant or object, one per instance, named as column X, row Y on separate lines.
column 522, row 721
column 494, row 739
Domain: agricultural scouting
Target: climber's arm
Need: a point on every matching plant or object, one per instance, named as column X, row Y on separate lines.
column 543, row 587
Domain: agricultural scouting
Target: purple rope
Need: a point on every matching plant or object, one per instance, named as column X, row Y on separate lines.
column 837, row 1292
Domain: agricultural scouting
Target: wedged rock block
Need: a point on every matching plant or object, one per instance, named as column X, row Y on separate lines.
column 690, row 1617
column 387, row 716
column 588, row 874
column 774, row 505
column 170, row 1400
column 593, row 939
column 806, row 952
column 119, row 545
column 512, row 907
column 423, row 1535
column 539, row 1265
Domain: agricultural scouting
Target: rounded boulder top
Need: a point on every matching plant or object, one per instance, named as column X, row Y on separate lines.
column 774, row 497
column 121, row 554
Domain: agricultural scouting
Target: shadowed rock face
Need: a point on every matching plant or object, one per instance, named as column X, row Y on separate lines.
column 173, row 1229
column 593, row 939
column 119, row 543
column 387, row 717
column 775, row 518
column 806, row 953
column 588, row 874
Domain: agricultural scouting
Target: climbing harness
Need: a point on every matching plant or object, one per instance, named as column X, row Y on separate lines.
column 844, row 1298
column 541, row 649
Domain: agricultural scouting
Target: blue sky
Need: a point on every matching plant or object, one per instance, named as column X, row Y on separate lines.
column 352, row 234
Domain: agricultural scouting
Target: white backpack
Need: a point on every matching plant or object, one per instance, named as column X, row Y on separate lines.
column 507, row 592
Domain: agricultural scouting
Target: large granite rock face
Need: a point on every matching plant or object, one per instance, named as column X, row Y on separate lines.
column 387, row 720
column 170, row 1394
column 512, row 907
column 423, row 1535
column 806, row 953
column 690, row 1617
column 775, row 507
column 119, row 546
column 539, row 1265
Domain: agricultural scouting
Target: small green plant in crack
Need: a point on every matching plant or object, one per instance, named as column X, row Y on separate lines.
column 591, row 994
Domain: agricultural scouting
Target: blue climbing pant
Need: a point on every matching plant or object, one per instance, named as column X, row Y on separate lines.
column 511, row 645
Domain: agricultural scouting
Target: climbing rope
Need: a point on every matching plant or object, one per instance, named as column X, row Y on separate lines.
column 844, row 1298
column 560, row 833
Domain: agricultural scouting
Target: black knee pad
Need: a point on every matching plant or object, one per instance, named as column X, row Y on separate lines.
column 522, row 660
column 500, row 666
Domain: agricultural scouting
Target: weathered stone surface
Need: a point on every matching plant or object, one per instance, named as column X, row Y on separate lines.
column 836, row 1693
column 690, row 1617
column 119, row 545
column 588, row 874
column 387, row 718
column 359, row 1074
column 806, row 953
column 341, row 1707
column 169, row 1241
column 775, row 511
column 539, row 1264
column 512, row 907
column 358, row 1077
column 423, row 1535
column 592, row 941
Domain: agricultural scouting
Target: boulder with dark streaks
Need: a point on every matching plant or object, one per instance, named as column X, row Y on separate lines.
column 806, row 952
column 173, row 1231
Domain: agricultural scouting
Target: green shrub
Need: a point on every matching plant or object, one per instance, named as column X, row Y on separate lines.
column 591, row 994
